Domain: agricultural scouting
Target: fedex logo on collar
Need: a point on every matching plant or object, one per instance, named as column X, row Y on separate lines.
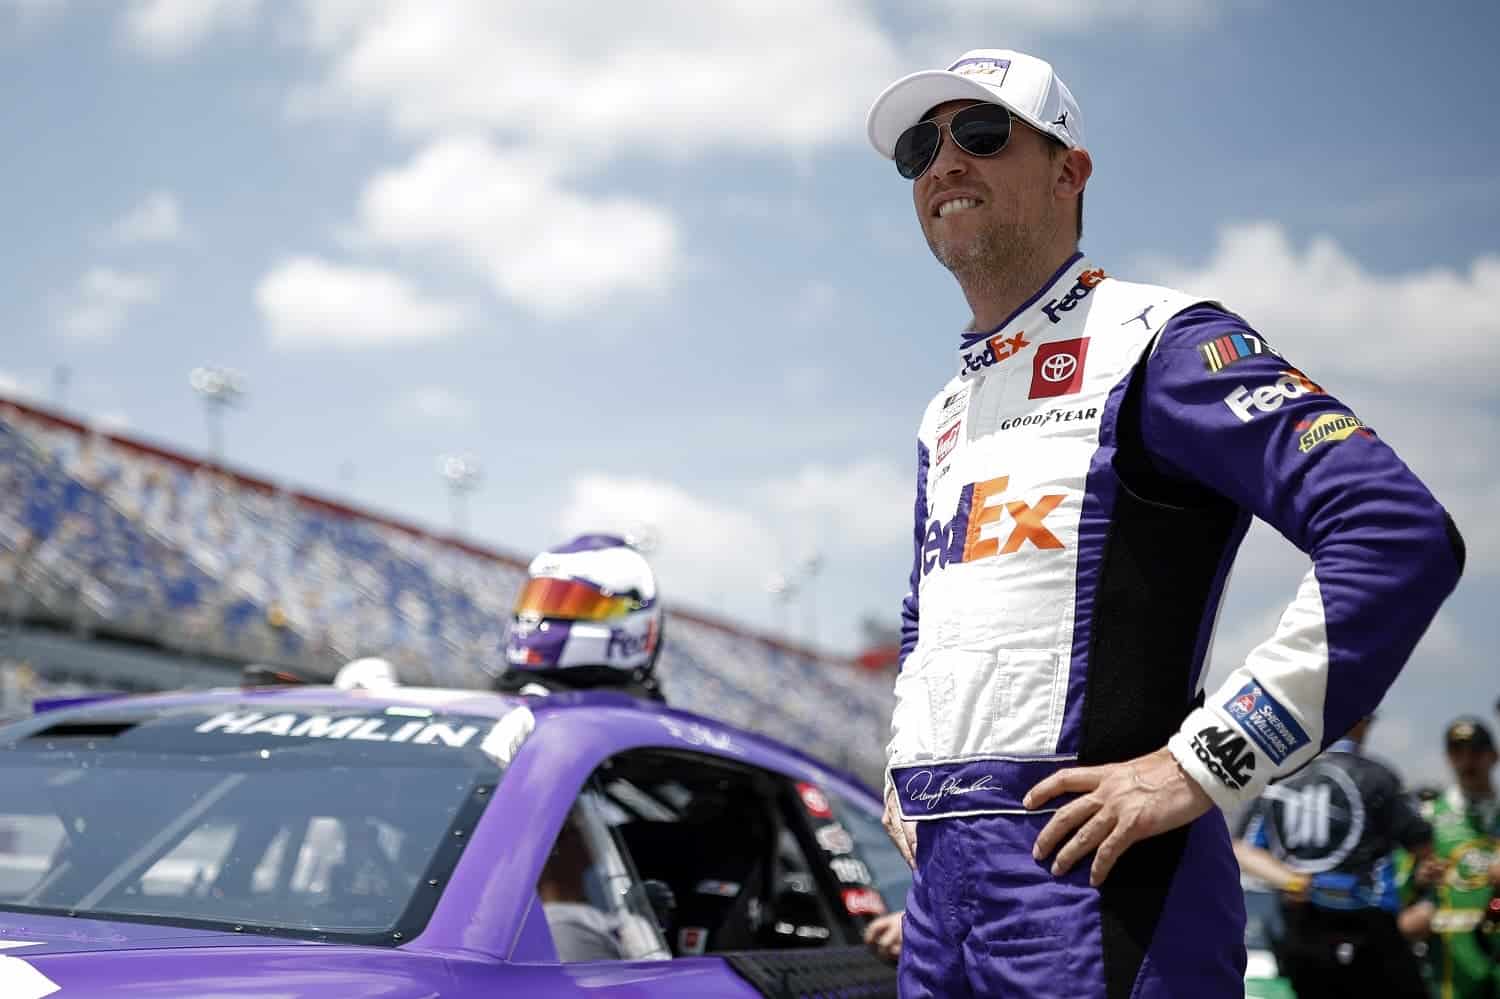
column 1087, row 280
column 980, row 504
column 996, row 349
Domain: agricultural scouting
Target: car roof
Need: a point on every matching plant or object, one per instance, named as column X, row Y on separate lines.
column 577, row 705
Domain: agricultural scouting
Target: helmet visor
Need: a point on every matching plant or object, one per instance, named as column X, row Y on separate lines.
column 571, row 600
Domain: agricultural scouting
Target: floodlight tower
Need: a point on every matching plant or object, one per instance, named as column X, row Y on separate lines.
column 463, row 474
column 219, row 388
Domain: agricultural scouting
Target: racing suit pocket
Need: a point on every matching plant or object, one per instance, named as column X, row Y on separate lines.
column 994, row 703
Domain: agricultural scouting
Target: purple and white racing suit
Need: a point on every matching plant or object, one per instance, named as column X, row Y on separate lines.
column 1083, row 484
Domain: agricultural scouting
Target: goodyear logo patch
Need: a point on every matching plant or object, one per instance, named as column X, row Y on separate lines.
column 1329, row 427
column 1266, row 721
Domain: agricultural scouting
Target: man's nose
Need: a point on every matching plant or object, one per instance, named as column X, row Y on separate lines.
column 950, row 160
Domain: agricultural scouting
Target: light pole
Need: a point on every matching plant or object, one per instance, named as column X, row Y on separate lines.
column 782, row 589
column 219, row 388
column 463, row 474
column 811, row 566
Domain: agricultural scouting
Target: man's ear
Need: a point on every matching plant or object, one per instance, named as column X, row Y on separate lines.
column 1073, row 175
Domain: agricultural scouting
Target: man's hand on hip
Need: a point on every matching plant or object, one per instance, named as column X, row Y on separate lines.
column 903, row 834
column 1122, row 804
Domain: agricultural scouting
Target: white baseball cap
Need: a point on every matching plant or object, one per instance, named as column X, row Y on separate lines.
column 1024, row 84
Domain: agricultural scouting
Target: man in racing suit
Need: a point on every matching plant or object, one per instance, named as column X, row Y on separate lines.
column 1325, row 838
column 1083, row 483
column 1453, row 888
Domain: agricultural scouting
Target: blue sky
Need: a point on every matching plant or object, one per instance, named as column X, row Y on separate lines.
column 638, row 261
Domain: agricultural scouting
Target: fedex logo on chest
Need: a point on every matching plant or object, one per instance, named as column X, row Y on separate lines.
column 982, row 504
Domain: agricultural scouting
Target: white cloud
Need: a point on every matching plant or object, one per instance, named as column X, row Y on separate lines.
column 702, row 546
column 1071, row 16
column 157, row 219
column 1325, row 311
column 506, row 215
column 167, row 28
column 306, row 301
column 664, row 77
column 730, row 549
column 433, row 405
column 1375, row 341
column 864, row 503
column 102, row 301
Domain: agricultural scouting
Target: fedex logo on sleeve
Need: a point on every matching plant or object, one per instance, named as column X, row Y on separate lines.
column 1245, row 403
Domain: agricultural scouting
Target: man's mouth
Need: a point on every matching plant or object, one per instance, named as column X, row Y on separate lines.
column 956, row 205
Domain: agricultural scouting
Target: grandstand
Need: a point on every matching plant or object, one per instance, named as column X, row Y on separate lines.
column 109, row 538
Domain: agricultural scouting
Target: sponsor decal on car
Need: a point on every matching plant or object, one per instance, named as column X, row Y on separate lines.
column 353, row 728
column 1246, row 403
column 1226, row 755
column 700, row 735
column 719, row 889
column 814, row 800
column 692, row 940
column 1330, row 428
column 1220, row 353
column 1057, row 368
column 834, row 838
column 850, row 870
column 981, row 504
column 1267, row 722
column 863, row 902
column 21, row 980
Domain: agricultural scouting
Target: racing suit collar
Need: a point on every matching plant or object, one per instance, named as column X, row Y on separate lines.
column 972, row 336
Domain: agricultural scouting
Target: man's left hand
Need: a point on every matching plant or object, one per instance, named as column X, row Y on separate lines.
column 1122, row 804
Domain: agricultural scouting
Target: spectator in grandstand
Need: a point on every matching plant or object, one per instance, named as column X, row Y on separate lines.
column 588, row 616
column 1324, row 838
column 1450, row 890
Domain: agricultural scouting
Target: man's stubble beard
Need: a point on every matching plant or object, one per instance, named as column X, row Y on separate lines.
column 997, row 256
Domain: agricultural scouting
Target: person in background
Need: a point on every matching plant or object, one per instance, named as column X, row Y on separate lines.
column 1451, row 889
column 883, row 936
column 588, row 617
column 1324, row 838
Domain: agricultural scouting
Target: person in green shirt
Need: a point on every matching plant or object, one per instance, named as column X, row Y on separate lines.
column 1450, row 891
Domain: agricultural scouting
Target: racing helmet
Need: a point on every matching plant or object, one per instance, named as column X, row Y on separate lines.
column 588, row 608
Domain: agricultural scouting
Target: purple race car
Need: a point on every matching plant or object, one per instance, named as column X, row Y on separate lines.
column 302, row 842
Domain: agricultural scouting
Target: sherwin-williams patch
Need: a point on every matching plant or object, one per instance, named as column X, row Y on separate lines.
column 1266, row 721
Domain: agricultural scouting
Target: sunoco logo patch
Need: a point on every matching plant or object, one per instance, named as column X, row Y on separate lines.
column 1328, row 427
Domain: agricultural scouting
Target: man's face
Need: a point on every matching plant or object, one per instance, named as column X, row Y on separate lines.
column 1472, row 766
column 1010, row 210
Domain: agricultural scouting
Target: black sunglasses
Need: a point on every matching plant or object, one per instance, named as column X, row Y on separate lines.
column 979, row 130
